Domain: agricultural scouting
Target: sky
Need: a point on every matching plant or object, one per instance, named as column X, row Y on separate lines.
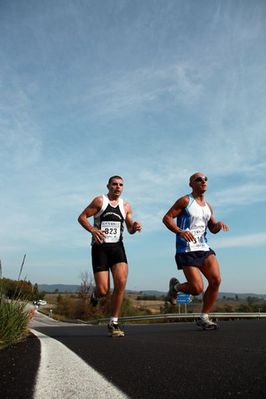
column 151, row 90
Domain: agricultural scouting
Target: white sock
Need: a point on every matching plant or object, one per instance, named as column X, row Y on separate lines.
column 114, row 320
column 204, row 316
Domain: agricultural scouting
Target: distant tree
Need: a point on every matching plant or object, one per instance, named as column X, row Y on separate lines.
column 22, row 289
column 147, row 298
column 59, row 298
column 35, row 292
column 243, row 308
column 228, row 308
column 86, row 284
column 251, row 300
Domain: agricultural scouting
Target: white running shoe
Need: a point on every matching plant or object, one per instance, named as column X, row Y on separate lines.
column 206, row 324
column 115, row 330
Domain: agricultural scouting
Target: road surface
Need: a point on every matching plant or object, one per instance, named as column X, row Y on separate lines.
column 175, row 360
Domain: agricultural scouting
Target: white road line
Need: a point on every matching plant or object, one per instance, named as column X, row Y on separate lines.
column 63, row 374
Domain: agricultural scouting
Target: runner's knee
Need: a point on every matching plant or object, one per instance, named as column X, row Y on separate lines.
column 102, row 291
column 215, row 282
column 195, row 288
column 120, row 285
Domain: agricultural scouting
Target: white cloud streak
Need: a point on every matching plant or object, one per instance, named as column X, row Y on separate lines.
column 241, row 241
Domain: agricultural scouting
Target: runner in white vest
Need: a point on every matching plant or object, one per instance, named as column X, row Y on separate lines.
column 193, row 255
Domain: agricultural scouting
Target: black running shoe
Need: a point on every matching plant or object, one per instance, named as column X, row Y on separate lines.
column 115, row 330
column 172, row 293
column 93, row 299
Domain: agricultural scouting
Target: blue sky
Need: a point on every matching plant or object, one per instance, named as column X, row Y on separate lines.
column 151, row 90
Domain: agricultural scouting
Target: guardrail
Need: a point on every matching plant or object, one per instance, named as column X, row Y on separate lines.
column 187, row 316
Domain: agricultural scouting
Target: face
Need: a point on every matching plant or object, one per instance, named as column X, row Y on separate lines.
column 198, row 181
column 115, row 187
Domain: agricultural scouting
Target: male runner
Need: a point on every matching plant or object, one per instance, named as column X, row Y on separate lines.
column 193, row 255
column 108, row 253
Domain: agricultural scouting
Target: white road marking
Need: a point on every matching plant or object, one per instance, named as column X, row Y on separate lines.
column 63, row 374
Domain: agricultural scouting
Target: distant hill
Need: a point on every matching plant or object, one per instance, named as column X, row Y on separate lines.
column 62, row 288
column 241, row 296
column 71, row 288
column 221, row 294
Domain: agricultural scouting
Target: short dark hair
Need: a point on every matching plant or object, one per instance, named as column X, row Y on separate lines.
column 114, row 177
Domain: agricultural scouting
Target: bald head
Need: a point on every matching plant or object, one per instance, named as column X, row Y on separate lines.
column 198, row 181
column 195, row 175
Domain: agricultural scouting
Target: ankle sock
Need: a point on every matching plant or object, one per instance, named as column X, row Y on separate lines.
column 204, row 316
column 114, row 320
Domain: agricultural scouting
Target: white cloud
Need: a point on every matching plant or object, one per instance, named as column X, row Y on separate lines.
column 247, row 193
column 246, row 241
column 117, row 95
column 21, row 142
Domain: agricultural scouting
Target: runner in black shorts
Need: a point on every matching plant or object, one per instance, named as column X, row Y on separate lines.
column 193, row 254
column 105, row 256
column 195, row 258
column 110, row 213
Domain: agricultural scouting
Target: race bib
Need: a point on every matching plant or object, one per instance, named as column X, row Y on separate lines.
column 111, row 231
column 199, row 243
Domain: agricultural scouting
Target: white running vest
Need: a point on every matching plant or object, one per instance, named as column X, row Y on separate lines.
column 194, row 218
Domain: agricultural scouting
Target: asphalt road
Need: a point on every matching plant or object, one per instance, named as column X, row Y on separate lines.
column 174, row 360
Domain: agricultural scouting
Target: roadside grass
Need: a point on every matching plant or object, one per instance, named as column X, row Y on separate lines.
column 14, row 316
column 14, row 320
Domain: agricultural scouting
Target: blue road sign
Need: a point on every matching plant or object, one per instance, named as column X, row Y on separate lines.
column 183, row 299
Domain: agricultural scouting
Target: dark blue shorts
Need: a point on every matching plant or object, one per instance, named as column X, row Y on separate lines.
column 104, row 256
column 195, row 258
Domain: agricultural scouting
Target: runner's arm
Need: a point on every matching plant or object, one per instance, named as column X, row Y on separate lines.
column 173, row 212
column 132, row 227
column 88, row 212
column 214, row 226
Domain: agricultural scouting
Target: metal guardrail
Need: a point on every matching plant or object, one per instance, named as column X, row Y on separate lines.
column 187, row 316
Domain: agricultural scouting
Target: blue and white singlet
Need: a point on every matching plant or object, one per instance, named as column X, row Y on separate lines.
column 194, row 218
column 111, row 219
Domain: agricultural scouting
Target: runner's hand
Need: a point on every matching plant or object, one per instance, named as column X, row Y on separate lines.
column 187, row 235
column 98, row 235
column 222, row 226
column 136, row 227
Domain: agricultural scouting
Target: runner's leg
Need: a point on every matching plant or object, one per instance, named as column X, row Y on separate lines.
column 194, row 283
column 102, row 281
column 211, row 271
column 120, row 273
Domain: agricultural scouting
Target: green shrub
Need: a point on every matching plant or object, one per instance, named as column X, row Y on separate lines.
column 80, row 308
column 14, row 319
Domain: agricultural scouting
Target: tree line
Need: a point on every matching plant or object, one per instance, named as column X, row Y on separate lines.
column 19, row 289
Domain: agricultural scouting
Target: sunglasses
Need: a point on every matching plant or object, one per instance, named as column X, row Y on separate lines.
column 201, row 179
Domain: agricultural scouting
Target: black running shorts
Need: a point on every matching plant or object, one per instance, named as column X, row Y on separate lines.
column 105, row 256
column 195, row 258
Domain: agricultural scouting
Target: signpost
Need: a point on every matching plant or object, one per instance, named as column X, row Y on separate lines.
column 183, row 299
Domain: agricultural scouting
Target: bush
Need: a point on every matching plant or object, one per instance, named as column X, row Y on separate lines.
column 73, row 307
column 76, row 307
column 20, row 289
column 14, row 319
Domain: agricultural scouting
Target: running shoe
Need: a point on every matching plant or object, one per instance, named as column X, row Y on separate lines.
column 93, row 299
column 206, row 324
column 115, row 330
column 172, row 293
